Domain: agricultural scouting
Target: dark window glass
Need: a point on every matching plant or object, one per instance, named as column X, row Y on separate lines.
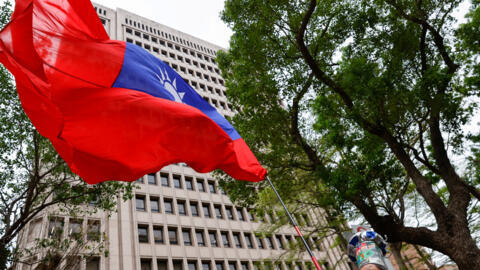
column 200, row 186
column 93, row 263
column 279, row 242
column 248, row 240
column 139, row 180
column 219, row 265
column 176, row 181
column 151, row 179
column 93, row 230
column 158, row 234
column 168, row 206
column 55, row 228
column 218, row 211
column 154, row 205
column 194, row 209
column 211, row 187
column 192, row 266
column 172, row 236
column 200, row 239
column 244, row 265
column 213, row 239
column 164, row 178
column 177, row 265
column 143, row 233
column 162, row 264
column 232, row 266
column 187, row 239
column 269, row 242
column 205, row 265
column 236, row 239
column 240, row 214
column 189, row 183
column 225, row 240
column 206, row 210
column 181, row 208
column 140, row 203
column 259, row 242
column 251, row 217
column 229, row 211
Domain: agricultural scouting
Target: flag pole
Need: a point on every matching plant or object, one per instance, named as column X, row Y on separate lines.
column 312, row 256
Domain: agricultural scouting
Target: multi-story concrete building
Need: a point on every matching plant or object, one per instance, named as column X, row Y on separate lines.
column 180, row 219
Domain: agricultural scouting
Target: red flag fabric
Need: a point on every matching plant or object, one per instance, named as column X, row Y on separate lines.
column 112, row 110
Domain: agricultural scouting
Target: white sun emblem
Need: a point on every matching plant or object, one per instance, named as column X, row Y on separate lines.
column 169, row 85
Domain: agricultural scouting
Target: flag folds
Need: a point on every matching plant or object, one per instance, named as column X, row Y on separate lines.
column 112, row 110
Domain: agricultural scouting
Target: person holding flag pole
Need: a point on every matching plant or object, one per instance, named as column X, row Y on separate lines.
column 112, row 110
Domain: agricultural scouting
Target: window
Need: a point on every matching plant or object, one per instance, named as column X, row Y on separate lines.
column 236, row 239
column 129, row 40
column 128, row 30
column 164, row 179
column 151, row 179
column 260, row 242
column 145, row 36
column 145, row 264
column 200, row 186
column 194, row 209
column 244, row 265
column 251, row 217
column 140, row 202
column 279, row 241
column 176, row 181
column 269, row 242
column 189, row 183
column 218, row 211
column 232, row 265
column 172, row 236
column 140, row 180
column 248, row 240
column 200, row 238
column 138, row 34
column 177, row 264
column 158, row 234
column 229, row 211
column 155, row 49
column 143, row 233
column 240, row 214
column 162, row 264
column 211, row 187
column 93, row 263
column 181, row 208
column 225, row 240
column 55, row 228
column 147, row 47
column 213, row 238
column 74, row 229
column 206, row 210
column 93, row 230
column 168, row 206
column 192, row 265
column 154, row 205
column 219, row 265
column 205, row 265
column 154, row 39
column 187, row 239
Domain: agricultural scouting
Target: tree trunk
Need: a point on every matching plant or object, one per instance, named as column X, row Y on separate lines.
column 465, row 253
column 425, row 258
column 4, row 253
column 396, row 250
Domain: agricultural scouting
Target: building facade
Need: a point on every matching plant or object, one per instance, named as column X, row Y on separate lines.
column 180, row 219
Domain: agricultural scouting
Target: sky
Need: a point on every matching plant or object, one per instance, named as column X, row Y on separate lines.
column 197, row 18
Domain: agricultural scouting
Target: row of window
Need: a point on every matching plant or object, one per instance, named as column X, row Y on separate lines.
column 191, row 208
column 215, row 238
column 190, row 183
column 182, row 69
column 168, row 36
column 176, row 47
column 178, row 264
column 77, row 228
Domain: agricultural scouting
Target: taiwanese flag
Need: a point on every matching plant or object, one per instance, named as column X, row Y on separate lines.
column 112, row 110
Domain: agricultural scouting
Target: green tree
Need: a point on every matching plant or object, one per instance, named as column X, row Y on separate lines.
column 364, row 103
column 34, row 178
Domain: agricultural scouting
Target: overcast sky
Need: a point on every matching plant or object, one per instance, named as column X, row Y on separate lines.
column 197, row 18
